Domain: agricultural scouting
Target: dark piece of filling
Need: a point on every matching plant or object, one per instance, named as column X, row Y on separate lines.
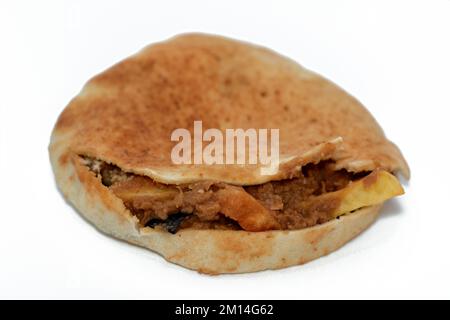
column 197, row 206
column 172, row 223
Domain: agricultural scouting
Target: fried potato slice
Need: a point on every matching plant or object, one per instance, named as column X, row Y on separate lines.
column 240, row 206
column 142, row 187
column 375, row 188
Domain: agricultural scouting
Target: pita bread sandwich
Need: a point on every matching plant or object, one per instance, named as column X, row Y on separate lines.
column 112, row 155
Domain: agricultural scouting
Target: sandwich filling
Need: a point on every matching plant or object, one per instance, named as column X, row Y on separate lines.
column 316, row 194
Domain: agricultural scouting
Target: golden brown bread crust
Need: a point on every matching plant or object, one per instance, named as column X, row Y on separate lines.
column 126, row 114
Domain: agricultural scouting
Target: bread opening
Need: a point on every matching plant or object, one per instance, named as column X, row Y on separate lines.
column 284, row 205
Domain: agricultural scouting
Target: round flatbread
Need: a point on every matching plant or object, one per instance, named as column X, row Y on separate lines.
column 125, row 115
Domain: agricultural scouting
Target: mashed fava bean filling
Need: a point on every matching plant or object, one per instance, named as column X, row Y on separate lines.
column 287, row 204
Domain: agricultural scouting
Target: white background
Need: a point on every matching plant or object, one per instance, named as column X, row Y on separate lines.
column 393, row 56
